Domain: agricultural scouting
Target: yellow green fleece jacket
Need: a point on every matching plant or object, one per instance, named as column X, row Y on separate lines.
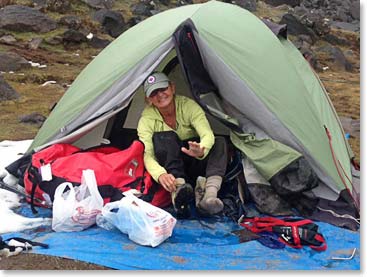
column 190, row 122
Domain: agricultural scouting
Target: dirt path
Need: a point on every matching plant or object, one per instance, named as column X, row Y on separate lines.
column 27, row 261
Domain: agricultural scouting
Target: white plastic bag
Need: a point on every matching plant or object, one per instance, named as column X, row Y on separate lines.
column 76, row 209
column 144, row 223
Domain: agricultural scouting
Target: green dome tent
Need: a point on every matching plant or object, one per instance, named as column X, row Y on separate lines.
column 255, row 85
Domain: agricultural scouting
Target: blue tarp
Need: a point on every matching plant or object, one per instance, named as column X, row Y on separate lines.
column 194, row 245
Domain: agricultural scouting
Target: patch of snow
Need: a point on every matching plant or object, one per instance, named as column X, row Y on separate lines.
column 10, row 151
column 48, row 83
column 34, row 64
column 16, row 222
column 37, row 64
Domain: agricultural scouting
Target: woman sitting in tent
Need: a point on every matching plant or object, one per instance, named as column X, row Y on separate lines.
column 180, row 146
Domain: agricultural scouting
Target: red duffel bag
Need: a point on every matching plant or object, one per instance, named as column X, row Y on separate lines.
column 116, row 171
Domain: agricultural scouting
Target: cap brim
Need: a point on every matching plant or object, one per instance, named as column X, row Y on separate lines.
column 155, row 86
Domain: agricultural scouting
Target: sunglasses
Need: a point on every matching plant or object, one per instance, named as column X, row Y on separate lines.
column 156, row 91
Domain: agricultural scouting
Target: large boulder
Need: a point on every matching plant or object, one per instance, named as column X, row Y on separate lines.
column 355, row 10
column 249, row 5
column 276, row 3
column 296, row 27
column 100, row 4
column 97, row 42
column 24, row 19
column 60, row 6
column 351, row 27
column 12, row 62
column 73, row 36
column 71, row 21
column 336, row 58
column 6, row 91
column 112, row 22
column 143, row 9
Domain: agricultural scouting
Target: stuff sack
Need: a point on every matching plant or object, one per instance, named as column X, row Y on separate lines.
column 144, row 223
column 77, row 208
column 115, row 170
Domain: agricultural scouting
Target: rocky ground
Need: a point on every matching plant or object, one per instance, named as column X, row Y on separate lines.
column 44, row 44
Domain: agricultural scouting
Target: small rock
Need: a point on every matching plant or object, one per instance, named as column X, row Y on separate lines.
column 8, row 39
column 12, row 62
column 96, row 42
column 33, row 118
column 6, row 91
column 72, row 21
column 35, row 43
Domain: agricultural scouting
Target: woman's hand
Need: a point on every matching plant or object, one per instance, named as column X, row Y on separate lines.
column 195, row 150
column 167, row 181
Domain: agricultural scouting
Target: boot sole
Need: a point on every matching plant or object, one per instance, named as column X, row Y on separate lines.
column 182, row 200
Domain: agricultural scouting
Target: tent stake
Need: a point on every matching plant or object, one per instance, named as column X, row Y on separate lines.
column 345, row 258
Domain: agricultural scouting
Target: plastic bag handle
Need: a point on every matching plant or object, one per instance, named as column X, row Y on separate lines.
column 60, row 190
column 91, row 182
column 111, row 205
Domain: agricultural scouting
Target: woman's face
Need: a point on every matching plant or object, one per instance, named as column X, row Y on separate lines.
column 162, row 98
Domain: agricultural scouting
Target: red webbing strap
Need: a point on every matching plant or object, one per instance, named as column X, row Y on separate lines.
column 296, row 238
column 261, row 224
column 322, row 247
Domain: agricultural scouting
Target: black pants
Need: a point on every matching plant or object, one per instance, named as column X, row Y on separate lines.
column 167, row 150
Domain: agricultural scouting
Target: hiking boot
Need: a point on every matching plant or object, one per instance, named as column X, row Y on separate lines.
column 181, row 198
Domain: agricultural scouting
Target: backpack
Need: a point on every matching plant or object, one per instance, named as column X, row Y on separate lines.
column 116, row 171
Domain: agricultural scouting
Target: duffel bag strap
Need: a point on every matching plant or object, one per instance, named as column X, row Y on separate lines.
column 35, row 178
